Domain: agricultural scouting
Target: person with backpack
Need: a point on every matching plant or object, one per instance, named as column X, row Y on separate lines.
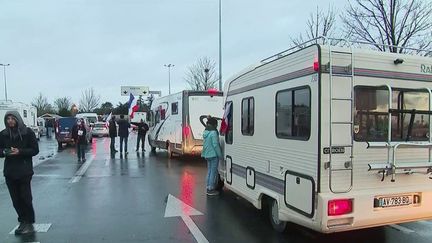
column 18, row 145
column 142, row 132
column 212, row 153
column 79, row 134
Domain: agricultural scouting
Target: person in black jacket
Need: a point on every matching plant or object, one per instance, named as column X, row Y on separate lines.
column 79, row 134
column 18, row 145
column 113, row 133
column 142, row 131
column 123, row 131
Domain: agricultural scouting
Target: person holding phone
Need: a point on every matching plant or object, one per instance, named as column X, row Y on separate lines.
column 18, row 144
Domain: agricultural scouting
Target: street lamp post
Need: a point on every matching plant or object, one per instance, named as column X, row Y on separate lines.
column 220, row 45
column 206, row 79
column 5, row 81
column 169, row 66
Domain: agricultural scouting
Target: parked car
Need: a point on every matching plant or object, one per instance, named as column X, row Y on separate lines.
column 100, row 129
column 63, row 130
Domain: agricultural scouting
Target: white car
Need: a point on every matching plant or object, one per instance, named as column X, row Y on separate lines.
column 100, row 129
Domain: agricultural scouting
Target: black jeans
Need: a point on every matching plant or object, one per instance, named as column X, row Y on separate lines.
column 140, row 138
column 21, row 195
column 125, row 141
column 81, row 149
column 112, row 146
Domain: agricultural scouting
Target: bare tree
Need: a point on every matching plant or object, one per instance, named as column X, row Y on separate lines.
column 63, row 106
column 319, row 24
column 63, row 103
column 404, row 23
column 42, row 105
column 202, row 75
column 89, row 100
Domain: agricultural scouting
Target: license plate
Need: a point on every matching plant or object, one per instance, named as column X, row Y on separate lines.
column 395, row 201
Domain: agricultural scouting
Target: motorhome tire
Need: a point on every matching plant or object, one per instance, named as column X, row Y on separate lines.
column 60, row 145
column 278, row 225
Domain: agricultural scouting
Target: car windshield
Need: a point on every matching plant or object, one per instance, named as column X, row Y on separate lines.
column 99, row 125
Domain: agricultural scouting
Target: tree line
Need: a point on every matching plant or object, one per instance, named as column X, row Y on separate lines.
column 89, row 102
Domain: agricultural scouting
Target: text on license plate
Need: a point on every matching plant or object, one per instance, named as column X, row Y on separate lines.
column 395, row 201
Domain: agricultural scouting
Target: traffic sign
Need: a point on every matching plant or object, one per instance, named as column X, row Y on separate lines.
column 135, row 90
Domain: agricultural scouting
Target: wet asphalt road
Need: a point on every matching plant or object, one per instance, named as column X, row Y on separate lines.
column 124, row 200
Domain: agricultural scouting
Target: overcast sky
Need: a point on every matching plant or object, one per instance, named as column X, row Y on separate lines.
column 62, row 47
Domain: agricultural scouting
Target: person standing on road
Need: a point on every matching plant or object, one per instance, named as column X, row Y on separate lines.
column 123, row 131
column 79, row 134
column 212, row 153
column 18, row 145
column 112, row 127
column 142, row 131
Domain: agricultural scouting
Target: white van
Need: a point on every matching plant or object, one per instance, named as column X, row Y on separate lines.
column 27, row 112
column 174, row 120
column 309, row 136
column 91, row 117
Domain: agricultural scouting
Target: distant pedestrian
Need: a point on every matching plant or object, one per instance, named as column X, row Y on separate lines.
column 212, row 153
column 142, row 132
column 79, row 134
column 123, row 133
column 48, row 126
column 18, row 145
column 112, row 127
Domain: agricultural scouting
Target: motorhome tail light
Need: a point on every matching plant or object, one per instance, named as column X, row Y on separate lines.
column 186, row 131
column 316, row 66
column 340, row 207
column 212, row 92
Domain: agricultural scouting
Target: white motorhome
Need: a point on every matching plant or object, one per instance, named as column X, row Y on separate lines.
column 308, row 136
column 27, row 112
column 174, row 120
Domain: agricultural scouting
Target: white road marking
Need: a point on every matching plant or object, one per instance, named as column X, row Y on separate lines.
column 176, row 208
column 402, row 228
column 425, row 222
column 83, row 169
column 39, row 228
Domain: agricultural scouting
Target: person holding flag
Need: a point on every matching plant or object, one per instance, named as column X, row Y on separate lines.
column 112, row 128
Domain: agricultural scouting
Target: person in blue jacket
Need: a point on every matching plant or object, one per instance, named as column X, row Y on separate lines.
column 212, row 153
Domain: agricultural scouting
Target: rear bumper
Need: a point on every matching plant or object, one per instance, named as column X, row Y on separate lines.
column 365, row 215
column 100, row 134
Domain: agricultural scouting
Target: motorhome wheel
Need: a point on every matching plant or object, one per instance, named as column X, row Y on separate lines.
column 278, row 225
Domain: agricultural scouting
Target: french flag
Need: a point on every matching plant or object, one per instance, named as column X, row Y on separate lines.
column 225, row 120
column 133, row 105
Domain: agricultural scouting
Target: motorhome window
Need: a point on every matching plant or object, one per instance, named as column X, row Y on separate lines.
column 372, row 114
column 157, row 117
column 229, row 136
column 293, row 114
column 248, row 116
column 174, row 108
column 25, row 113
column 410, row 100
column 162, row 114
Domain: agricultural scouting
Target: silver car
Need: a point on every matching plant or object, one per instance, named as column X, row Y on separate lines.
column 100, row 129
